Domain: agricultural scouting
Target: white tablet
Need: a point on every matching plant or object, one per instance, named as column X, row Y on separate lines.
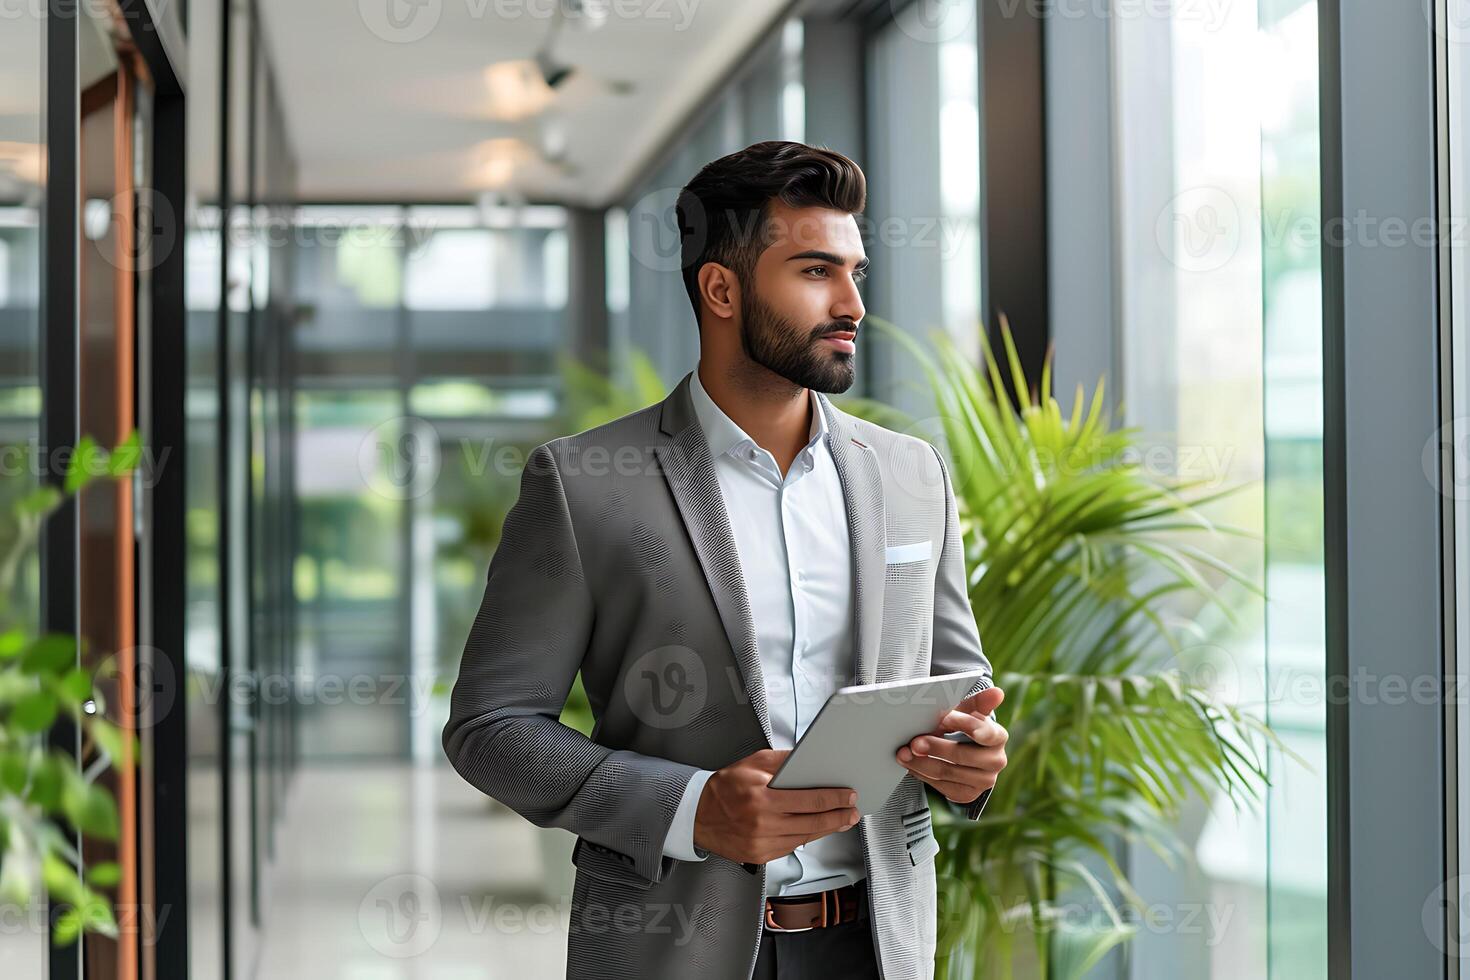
column 853, row 740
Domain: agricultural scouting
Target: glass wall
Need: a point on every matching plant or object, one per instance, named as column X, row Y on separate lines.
column 23, row 945
column 204, row 680
column 1221, row 363
column 1454, row 443
column 924, row 174
column 426, row 366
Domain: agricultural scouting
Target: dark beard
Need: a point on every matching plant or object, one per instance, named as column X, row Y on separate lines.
column 780, row 346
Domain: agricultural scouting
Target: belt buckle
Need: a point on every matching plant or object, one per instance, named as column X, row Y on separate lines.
column 771, row 923
column 826, row 920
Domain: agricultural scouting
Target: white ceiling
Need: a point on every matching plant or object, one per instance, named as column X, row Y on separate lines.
column 404, row 109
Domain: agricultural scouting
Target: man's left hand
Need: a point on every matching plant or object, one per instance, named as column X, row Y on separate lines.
column 961, row 770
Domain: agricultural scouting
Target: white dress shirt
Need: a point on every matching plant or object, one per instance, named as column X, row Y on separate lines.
column 796, row 558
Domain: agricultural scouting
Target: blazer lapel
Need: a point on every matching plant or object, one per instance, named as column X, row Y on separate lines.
column 685, row 460
column 862, row 488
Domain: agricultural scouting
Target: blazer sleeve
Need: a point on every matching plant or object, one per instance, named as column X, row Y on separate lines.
column 956, row 639
column 526, row 645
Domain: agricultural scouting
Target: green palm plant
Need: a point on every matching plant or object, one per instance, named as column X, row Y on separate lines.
column 1075, row 554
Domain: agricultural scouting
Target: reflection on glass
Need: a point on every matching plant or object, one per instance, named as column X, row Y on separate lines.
column 348, row 568
column 923, row 218
column 1458, row 438
column 1296, row 614
column 1221, row 358
column 22, row 193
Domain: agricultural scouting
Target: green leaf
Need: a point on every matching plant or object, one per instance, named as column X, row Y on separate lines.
column 81, row 467
column 124, row 459
column 75, row 685
column 13, row 772
column 34, row 712
column 12, row 642
column 47, row 777
column 39, row 502
column 90, row 808
column 110, row 738
column 68, row 927
column 104, row 875
column 50, row 654
column 61, row 880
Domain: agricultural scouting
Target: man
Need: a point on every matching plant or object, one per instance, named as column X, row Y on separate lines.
column 715, row 565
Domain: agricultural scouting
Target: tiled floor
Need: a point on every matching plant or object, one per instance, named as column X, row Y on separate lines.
column 397, row 873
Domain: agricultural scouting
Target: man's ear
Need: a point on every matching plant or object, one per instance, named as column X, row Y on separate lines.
column 719, row 290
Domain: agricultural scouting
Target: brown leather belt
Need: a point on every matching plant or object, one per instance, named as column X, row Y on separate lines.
column 799, row 913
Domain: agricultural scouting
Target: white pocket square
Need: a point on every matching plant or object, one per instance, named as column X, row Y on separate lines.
column 897, row 553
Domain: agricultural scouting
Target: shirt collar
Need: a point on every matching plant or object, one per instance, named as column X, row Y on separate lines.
column 721, row 432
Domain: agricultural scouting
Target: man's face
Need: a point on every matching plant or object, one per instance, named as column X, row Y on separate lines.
column 801, row 309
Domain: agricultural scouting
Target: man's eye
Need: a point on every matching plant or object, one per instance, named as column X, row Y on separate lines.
column 860, row 275
column 818, row 269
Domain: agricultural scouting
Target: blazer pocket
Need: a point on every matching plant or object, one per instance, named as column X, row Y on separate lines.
column 606, row 864
column 896, row 554
column 918, row 833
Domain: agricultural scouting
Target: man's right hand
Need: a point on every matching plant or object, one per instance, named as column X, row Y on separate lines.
column 742, row 818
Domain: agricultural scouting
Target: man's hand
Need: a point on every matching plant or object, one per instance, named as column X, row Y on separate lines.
column 961, row 770
column 743, row 819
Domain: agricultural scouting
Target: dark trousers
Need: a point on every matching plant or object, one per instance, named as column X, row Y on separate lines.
column 843, row 951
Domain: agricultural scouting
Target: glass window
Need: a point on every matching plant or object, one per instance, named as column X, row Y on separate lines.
column 22, row 193
column 922, row 227
column 1221, row 364
column 1453, row 442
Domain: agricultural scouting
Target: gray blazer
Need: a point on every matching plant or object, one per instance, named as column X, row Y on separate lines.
column 618, row 560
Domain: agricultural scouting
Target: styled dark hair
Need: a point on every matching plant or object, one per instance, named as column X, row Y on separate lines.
column 722, row 213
